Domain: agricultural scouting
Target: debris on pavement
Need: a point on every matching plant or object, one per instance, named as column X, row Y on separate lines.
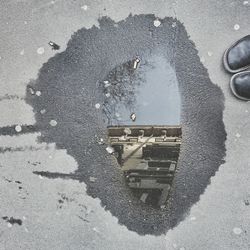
column 38, row 93
column 12, row 220
column 84, row 7
column 98, row 105
column 136, row 63
column 92, row 179
column 54, row 45
column 133, row 117
column 144, row 196
column 236, row 27
column 106, row 84
column 18, row 128
column 53, row 123
column 101, row 141
column 110, row 150
column 157, row 23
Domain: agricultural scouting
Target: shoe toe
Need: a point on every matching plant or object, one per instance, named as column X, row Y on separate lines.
column 240, row 85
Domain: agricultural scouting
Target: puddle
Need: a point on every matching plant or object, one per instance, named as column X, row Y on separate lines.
column 70, row 87
column 150, row 91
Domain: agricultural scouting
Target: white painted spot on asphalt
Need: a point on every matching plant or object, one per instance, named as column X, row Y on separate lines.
column 18, row 128
column 237, row 135
column 22, row 52
column 53, row 123
column 43, row 111
column 193, row 218
column 40, row 50
column 38, row 93
column 97, row 106
column 157, row 22
column 84, row 7
column 236, row 27
column 210, row 53
column 237, row 230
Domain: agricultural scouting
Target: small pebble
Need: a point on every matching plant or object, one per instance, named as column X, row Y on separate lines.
column 53, row 123
column 173, row 25
column 202, row 59
column 246, row 111
column 237, row 230
column 50, row 156
column 245, row 2
column 43, row 111
column 236, row 27
column 92, row 179
column 97, row 106
column 110, row 150
column 40, row 50
column 18, row 128
column 108, row 95
column 40, row 177
column 101, row 141
column 38, row 93
column 157, row 23
column 31, row 91
column 84, row 7
column 9, row 225
column 22, row 52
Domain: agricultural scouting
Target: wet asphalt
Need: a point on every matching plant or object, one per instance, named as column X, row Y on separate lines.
column 70, row 85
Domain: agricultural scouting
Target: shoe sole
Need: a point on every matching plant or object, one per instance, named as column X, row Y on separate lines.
column 226, row 66
column 233, row 89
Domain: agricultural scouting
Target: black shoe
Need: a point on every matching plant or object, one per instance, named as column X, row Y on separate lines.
column 240, row 85
column 237, row 57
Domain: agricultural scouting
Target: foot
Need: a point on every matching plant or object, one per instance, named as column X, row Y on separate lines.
column 237, row 57
column 240, row 85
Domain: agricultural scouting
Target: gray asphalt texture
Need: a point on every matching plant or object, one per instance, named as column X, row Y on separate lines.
column 69, row 83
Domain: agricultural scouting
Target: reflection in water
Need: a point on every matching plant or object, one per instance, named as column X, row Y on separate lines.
column 150, row 91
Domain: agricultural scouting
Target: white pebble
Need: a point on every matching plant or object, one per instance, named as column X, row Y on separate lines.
column 38, row 93
column 97, row 106
column 210, row 53
column 157, row 22
column 245, row 2
column 18, row 128
column 32, row 91
column 110, row 150
column 237, row 230
column 236, row 27
column 202, row 59
column 43, row 111
column 24, row 218
column 237, row 135
column 40, row 177
column 9, row 225
column 40, row 50
column 174, row 245
column 173, row 25
column 84, row 7
column 53, row 123
column 193, row 218
column 26, row 230
column 22, row 52
column 108, row 95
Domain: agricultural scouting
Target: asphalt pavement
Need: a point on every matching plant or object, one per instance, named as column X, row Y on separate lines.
column 52, row 104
